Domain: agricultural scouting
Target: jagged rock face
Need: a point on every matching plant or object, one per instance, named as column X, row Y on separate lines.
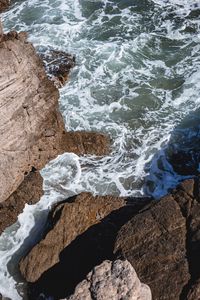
column 67, row 221
column 114, row 281
column 31, row 188
column 29, row 119
column 31, row 127
column 29, row 191
column 4, row 4
column 163, row 243
column 58, row 65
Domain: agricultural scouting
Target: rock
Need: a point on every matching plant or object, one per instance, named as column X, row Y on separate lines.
column 183, row 150
column 68, row 220
column 81, row 143
column 31, row 127
column 163, row 242
column 4, row 4
column 88, row 250
column 29, row 191
column 58, row 65
column 114, row 281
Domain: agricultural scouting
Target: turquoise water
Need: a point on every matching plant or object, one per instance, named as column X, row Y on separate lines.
column 137, row 78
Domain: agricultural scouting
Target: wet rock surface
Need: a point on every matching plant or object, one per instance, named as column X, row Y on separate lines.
column 163, row 243
column 29, row 110
column 58, row 65
column 114, row 281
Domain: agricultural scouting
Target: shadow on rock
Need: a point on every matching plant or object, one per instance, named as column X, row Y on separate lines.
column 176, row 161
column 88, row 250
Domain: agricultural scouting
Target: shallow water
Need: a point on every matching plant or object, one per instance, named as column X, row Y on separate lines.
column 137, row 78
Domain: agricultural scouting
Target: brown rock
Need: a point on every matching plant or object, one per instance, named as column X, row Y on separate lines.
column 29, row 191
column 114, row 281
column 4, row 4
column 163, row 243
column 86, row 143
column 68, row 220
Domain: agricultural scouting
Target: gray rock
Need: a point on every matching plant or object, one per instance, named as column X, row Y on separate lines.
column 114, row 281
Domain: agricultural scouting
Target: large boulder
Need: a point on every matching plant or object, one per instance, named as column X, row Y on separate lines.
column 30, row 125
column 67, row 221
column 58, row 65
column 163, row 243
column 114, row 281
column 29, row 191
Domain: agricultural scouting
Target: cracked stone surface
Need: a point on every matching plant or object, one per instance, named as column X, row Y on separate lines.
column 114, row 281
column 58, row 65
column 29, row 110
column 162, row 242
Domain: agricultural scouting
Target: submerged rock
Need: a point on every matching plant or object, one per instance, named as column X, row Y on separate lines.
column 88, row 250
column 67, row 221
column 29, row 109
column 163, row 243
column 114, row 281
column 58, row 65
column 81, row 143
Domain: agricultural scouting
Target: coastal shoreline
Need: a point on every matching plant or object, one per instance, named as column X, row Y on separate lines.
column 86, row 238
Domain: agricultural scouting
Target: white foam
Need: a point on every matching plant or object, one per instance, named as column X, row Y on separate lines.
column 21, row 235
